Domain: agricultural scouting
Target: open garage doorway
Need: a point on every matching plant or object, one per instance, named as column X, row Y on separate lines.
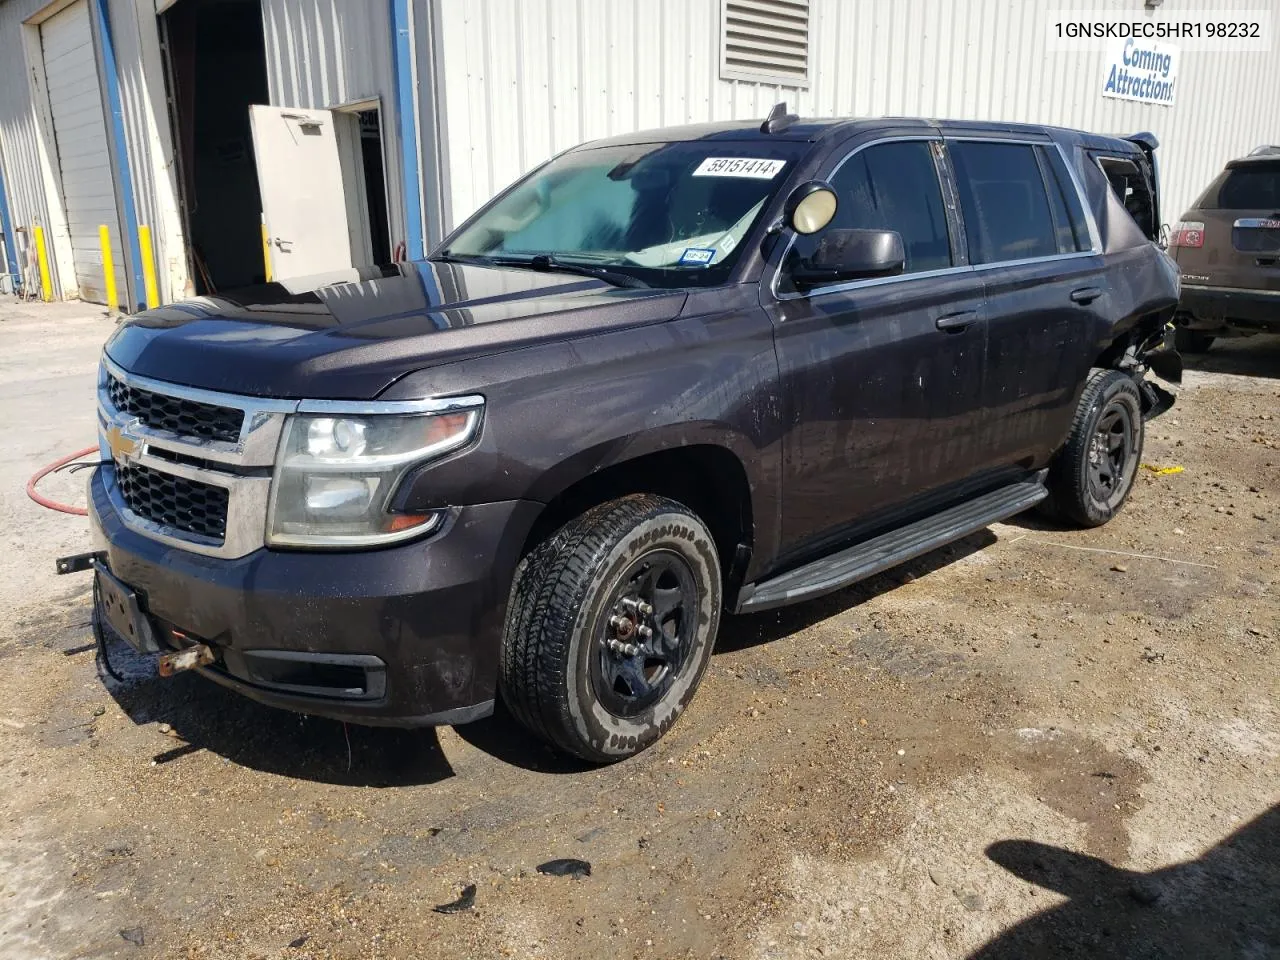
column 270, row 191
column 217, row 67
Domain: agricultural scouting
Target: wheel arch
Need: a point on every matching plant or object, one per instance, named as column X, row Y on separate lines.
column 706, row 475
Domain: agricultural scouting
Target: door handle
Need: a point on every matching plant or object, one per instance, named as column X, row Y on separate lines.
column 1086, row 295
column 955, row 322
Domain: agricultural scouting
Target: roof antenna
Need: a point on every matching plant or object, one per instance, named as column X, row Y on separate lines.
column 778, row 119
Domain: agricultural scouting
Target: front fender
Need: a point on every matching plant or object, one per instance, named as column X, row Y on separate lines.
column 556, row 413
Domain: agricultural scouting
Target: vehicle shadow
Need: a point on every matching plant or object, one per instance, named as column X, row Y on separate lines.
column 503, row 738
column 1224, row 904
column 202, row 715
column 1257, row 356
column 206, row 716
column 749, row 630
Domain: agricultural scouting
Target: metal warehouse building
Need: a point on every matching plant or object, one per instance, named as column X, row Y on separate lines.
column 153, row 149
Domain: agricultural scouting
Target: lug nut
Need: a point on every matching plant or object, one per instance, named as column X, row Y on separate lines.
column 637, row 606
column 644, row 632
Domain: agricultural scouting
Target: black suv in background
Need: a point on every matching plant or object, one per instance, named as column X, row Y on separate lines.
column 664, row 376
column 1228, row 248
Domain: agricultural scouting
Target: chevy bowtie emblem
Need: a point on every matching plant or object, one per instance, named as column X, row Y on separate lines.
column 122, row 445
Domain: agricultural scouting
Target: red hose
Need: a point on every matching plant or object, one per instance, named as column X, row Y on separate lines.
column 45, row 471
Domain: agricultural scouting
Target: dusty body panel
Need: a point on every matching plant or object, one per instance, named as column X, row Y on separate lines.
column 840, row 414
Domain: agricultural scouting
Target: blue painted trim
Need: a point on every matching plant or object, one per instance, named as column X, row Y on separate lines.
column 402, row 56
column 116, row 111
column 6, row 231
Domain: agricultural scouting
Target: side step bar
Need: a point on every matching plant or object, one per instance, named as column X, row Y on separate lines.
column 878, row 554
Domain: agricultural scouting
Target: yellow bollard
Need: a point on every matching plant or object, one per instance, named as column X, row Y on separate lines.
column 108, row 270
column 266, row 251
column 148, row 265
column 42, row 258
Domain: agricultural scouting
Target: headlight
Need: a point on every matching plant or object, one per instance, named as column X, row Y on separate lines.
column 336, row 471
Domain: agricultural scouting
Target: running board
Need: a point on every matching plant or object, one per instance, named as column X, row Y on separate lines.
column 890, row 549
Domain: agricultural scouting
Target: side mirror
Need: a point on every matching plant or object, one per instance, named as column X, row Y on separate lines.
column 810, row 207
column 850, row 255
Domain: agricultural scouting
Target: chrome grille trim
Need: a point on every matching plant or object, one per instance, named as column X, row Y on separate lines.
column 249, row 461
column 161, row 411
column 244, row 468
column 259, row 434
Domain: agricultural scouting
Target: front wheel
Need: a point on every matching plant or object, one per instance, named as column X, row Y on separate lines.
column 1092, row 475
column 610, row 627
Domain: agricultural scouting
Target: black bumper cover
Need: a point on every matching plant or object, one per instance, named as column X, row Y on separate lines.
column 421, row 621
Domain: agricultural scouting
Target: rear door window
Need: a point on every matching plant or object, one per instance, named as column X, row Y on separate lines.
column 890, row 186
column 1004, row 201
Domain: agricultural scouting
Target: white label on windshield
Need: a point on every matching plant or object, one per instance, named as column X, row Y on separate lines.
column 739, row 167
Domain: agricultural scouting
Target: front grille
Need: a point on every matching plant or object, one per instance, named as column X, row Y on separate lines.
column 176, row 502
column 185, row 417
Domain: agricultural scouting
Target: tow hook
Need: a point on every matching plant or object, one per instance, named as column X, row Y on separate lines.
column 199, row 655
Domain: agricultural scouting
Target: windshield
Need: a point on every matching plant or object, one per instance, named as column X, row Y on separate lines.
column 669, row 214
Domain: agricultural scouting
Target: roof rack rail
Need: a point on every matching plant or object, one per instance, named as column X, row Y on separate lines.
column 1266, row 150
column 778, row 119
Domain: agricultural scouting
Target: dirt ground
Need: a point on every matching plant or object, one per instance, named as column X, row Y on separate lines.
column 1039, row 742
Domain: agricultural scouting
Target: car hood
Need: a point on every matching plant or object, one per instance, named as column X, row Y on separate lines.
column 350, row 334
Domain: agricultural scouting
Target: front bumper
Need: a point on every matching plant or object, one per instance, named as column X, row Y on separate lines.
column 408, row 635
column 1218, row 308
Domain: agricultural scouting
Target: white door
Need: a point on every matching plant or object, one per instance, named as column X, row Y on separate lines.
column 300, row 179
column 80, row 132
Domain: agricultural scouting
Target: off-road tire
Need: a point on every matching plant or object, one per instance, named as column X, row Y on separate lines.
column 1192, row 341
column 1073, row 495
column 550, row 671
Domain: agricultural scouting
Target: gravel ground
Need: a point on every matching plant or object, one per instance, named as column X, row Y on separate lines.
column 1039, row 742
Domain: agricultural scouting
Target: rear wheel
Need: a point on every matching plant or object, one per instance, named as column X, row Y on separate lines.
column 1192, row 341
column 1092, row 475
column 610, row 627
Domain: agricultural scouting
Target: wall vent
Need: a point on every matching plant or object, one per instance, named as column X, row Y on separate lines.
column 765, row 41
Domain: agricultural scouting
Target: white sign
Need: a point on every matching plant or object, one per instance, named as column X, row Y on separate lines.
column 739, row 167
column 1142, row 70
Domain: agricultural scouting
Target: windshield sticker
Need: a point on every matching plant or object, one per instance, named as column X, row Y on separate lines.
column 698, row 256
column 739, row 167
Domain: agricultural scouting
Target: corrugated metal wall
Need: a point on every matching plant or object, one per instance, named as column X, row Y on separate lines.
column 24, row 184
column 322, row 53
column 149, row 137
column 146, row 133
column 524, row 79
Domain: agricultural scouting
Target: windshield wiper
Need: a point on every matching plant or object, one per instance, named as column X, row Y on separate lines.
column 547, row 262
column 550, row 262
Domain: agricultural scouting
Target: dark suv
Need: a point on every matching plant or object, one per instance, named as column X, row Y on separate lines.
column 664, row 376
column 1228, row 248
